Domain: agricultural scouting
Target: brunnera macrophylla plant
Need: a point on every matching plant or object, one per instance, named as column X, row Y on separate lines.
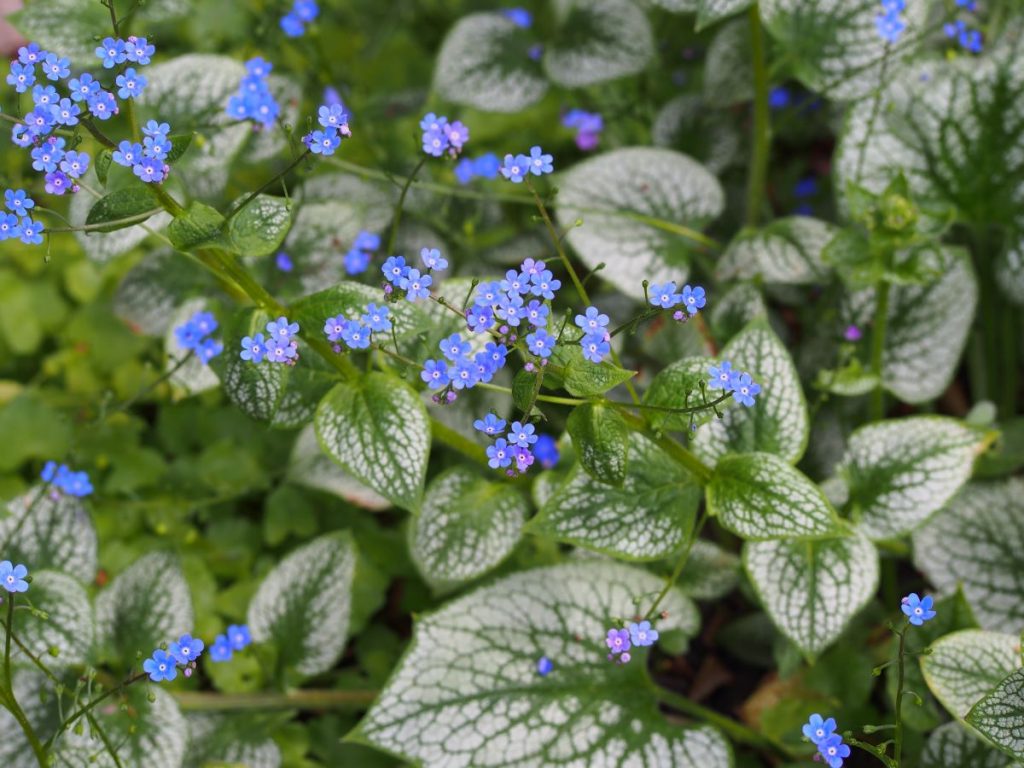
column 695, row 370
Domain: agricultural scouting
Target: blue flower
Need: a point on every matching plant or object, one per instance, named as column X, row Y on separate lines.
column 356, row 261
column 779, row 97
column 744, row 390
column 464, row 373
column 103, row 105
column 130, row 84
column 22, row 76
column 486, row 166
column 8, row 226
column 454, row 347
column 510, row 309
column 283, row 262
column 139, row 50
column 457, row 136
column 306, row 10
column 77, row 484
column 617, row 640
column 546, row 451
column 188, row 335
column 65, row 112
column 186, row 650
column 541, row 343
column 489, row 425
column 57, row 183
column 890, row 26
column 253, row 348
column 664, row 295
column 281, row 329
column 31, row 53
column 497, row 353
column 818, row 730
column 127, row 154
column 56, row 67
column 239, row 637
column 806, row 187
column 894, row 6
column 595, row 346
column 208, row 349
column 435, row 374
column 642, row 635
column 539, row 162
column 221, row 649
column 160, row 667
column 515, row 168
column 488, row 293
column 521, row 434
column 591, row 321
column 332, row 116
column 918, row 609
column 415, row 285
column 721, row 376
column 395, row 269
column 499, row 455
column 75, row 164
column 112, row 52
column 464, row 171
column 544, row 666
column 18, row 201
column 520, row 17
column 44, row 95
column 434, row 143
column 479, row 318
column 40, row 121
column 537, row 314
column 281, row 351
column 30, row 232
column 150, row 170
column 515, row 282
column 21, row 136
column 693, row 299
column 324, row 142
column 366, row 241
column 544, row 284
column 431, row 122
column 334, row 326
column 833, row 751
column 292, row 25
column 258, row 67
column 377, row 318
column 355, row 335
column 83, row 87
column 432, row 259
column 12, row 577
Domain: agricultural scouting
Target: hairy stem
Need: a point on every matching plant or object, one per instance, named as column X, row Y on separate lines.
column 881, row 320
column 277, row 177
column 397, row 218
column 762, row 137
column 898, row 737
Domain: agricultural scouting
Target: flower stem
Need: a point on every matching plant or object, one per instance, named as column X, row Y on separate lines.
column 878, row 348
column 7, row 691
column 277, row 177
column 397, row 218
column 195, row 701
column 86, row 709
column 701, row 471
column 871, row 749
column 898, row 737
column 757, row 179
column 680, row 564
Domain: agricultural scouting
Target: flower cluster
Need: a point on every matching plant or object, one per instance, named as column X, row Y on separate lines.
column 357, row 260
column 918, row 610
column 889, row 23
column 635, row 634
column 64, row 479
column 484, row 167
column 254, row 101
column 333, row 125
column 12, row 577
column 588, row 127
column 440, row 136
column 967, row 38
column 515, row 168
column 666, row 296
column 237, row 638
column 461, row 370
column 596, row 341
column 303, row 12
column 147, row 160
column 163, row 665
column 831, row 748
column 18, row 223
column 737, row 383
column 414, row 283
column 194, row 335
column 357, row 334
column 279, row 346
column 515, row 446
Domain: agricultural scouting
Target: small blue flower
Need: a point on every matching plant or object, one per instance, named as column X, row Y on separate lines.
column 282, row 330
column 332, row 116
column 56, row 67
column 617, row 640
column 721, row 376
column 435, row 374
column 160, row 667
column 488, row 293
column 77, row 484
column 377, row 318
column 187, row 335
column 281, row 351
column 415, row 285
column 456, row 135
column 744, row 390
column 499, row 455
column 18, row 201
column 818, row 730
column 664, row 295
column 642, row 635
column 591, row 321
column 31, row 54
column 127, row 154
column 497, row 353
column 890, row 26
column 75, row 164
column 239, row 637
column 520, row 17
column 693, row 299
column 112, row 52
column 521, row 434
column 65, row 112
column 454, row 347
column 464, row 171
column 489, row 425
column 485, row 367
column 516, row 282
column 83, row 87
column 356, row 335
column 432, row 259
column 40, row 121
column 833, row 751
column 149, row 169
column 324, row 142
column 515, row 168
column 208, row 349
column 806, row 187
column 21, row 136
column 12, row 577
column 464, row 373
column 356, row 261
column 307, row 10
column 541, row 343
column 334, row 327
column 8, row 226
column 253, row 348
column 283, row 262
column 918, row 609
column 258, row 67
column 595, row 346
column 395, row 269
column 540, row 163
column 22, row 76
column 130, row 84
column 544, row 284
column 30, row 232
column 544, row 666
column 546, row 451
column 205, row 322
column 479, row 318
column 103, row 105
column 367, row 241
column 292, row 25
column 221, row 649
column 186, row 650
column 511, row 309
column 45, row 95
column 486, row 166
column 537, row 314
column 139, row 50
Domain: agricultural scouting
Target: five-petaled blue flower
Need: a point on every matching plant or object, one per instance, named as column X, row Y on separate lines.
column 918, row 609
column 541, row 343
column 377, row 318
column 833, row 751
column 415, row 285
column 664, row 295
column 693, row 299
column 254, row 348
column 221, row 649
column 281, row 329
column 540, row 163
column 186, row 650
column 112, row 52
column 489, row 425
column 818, row 730
column 160, row 667
column 432, row 259
column 238, row 636
column 641, row 634
column 12, row 577
column 499, row 455
column 592, row 320
column 618, row 640
column 522, row 434
column 435, row 374
column 515, row 168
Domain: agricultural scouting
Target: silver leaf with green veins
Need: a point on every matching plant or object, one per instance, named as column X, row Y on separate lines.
column 467, row 692
column 309, row 466
column 1000, row 715
column 964, row 666
column 787, row 251
column 49, row 530
column 68, row 626
column 598, row 40
column 953, row 746
column 728, row 72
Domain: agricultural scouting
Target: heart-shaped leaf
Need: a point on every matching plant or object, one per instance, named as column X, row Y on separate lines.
column 260, row 228
column 1000, row 715
column 964, row 666
column 787, row 251
column 49, row 530
column 953, row 746
column 311, row 467
column 598, row 40
column 601, row 438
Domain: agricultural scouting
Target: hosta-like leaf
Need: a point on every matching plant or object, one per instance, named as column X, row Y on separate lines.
column 261, row 226
column 622, row 196
column 1000, row 715
column 650, row 516
column 303, row 604
column 928, row 325
column 49, row 530
column 709, row 136
column 977, row 542
column 677, row 386
column 233, row 740
column 811, row 589
column 148, row 604
column 900, row 472
column 584, row 378
column 710, row 572
column 964, row 666
column 311, row 467
column 467, row 526
column 598, row 40
column 953, row 746
column 68, row 626
column 760, row 496
column 467, row 692
column 377, row 429
column 787, row 251
column 148, row 295
column 778, row 421
column 728, row 72
column 601, row 438
column 712, row 11
column 484, row 62
column 833, row 45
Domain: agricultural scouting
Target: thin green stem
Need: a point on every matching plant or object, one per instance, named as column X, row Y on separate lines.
column 7, row 689
column 542, row 398
column 7, row 638
column 762, row 139
column 107, row 744
column 457, row 441
column 277, row 177
column 871, row 749
column 680, row 565
column 97, row 134
column 701, row 471
column 878, row 348
column 167, row 200
column 37, row 746
column 127, row 221
column 397, row 218
column 195, row 701
column 83, row 711
column 900, row 676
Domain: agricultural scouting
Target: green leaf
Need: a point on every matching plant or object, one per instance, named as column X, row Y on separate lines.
column 712, row 11
column 200, row 225
column 47, row 532
column 625, row 198
column 309, row 466
column 900, row 472
column 728, row 70
column 102, row 166
column 33, row 692
column 350, row 299
column 649, row 517
column 180, row 142
column 1000, row 715
column 710, row 572
column 256, row 388
column 601, row 438
column 67, row 626
column 377, row 429
column 964, row 666
column 788, row 252
column 260, row 228
column 953, row 746
column 833, row 46
column 148, row 294
column 148, row 604
column 303, row 605
column 977, row 542
column 760, row 496
column 66, row 26
column 493, row 707
column 484, row 62
column 467, row 526
column 132, row 202
column 812, row 589
column 598, row 40
column 583, row 378
column 778, row 422
column 678, row 386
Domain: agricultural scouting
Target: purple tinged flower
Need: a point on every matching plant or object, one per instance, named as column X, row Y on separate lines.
column 253, row 348
column 499, row 455
column 918, row 610
column 238, row 636
column 281, row 329
column 540, row 163
column 221, row 649
column 377, row 318
column 283, row 262
column 541, row 343
column 111, row 52
column 521, row 434
column 592, row 321
column 57, row 183
column 546, row 451
column 75, row 164
column 186, row 650
column 524, row 458
column 818, row 730
column 479, row 318
column 281, row 351
column 432, row 259
column 150, row 170
column 12, row 577
column 544, row 666
column 664, row 295
column 625, row 658
column 435, row 374
column 56, row 67
column 693, row 299
column 515, row 168
column 595, row 346
column 617, row 640
column 852, row 333
column 833, row 751
column 127, row 154
column 457, row 135
column 160, row 667
column 434, row 143
column 641, row 634
column 334, row 326
column 490, row 425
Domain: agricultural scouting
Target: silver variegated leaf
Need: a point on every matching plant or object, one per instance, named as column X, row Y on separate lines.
column 964, row 666
column 598, row 40
column 778, row 422
column 977, row 543
column 649, row 516
column 710, row 572
column 34, row 693
column 64, row 26
column 311, row 467
column 303, row 605
column 787, row 251
column 467, row 526
column 161, row 281
column 628, row 199
column 953, row 746
column 728, row 72
column 900, row 472
column 67, row 627
column 712, row 11
column 233, row 740
column 1010, row 273
column 467, row 692
column 812, row 589
column 1000, row 715
column 709, row 136
column 49, row 530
